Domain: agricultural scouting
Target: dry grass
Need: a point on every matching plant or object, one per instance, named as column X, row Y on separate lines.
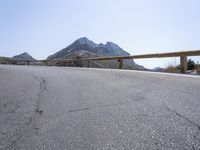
column 172, row 69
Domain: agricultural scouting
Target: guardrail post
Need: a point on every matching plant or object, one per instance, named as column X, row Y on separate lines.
column 120, row 63
column 183, row 61
column 66, row 63
column 46, row 63
column 88, row 63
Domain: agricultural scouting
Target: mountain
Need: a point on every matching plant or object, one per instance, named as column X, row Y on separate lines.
column 85, row 48
column 109, row 49
column 23, row 56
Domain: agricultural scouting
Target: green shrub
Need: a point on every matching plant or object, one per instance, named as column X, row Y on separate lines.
column 190, row 64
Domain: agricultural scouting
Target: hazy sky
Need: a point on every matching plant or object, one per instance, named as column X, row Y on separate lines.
column 42, row 27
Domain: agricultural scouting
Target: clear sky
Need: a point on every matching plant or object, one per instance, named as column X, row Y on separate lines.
column 42, row 27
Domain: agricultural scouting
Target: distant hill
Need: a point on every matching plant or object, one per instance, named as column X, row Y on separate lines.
column 85, row 48
column 24, row 56
column 159, row 69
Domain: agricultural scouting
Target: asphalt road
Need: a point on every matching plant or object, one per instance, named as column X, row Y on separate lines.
column 87, row 109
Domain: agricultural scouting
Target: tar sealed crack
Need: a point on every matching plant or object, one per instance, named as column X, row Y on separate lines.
column 39, row 111
column 43, row 88
column 43, row 84
column 31, row 124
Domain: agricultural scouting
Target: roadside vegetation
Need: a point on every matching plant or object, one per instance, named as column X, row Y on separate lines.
column 197, row 68
column 172, row 69
column 4, row 60
column 191, row 66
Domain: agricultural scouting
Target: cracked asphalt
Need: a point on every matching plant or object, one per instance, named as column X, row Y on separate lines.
column 61, row 108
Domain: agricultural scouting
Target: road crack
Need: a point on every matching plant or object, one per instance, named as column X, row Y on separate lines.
column 86, row 109
column 181, row 116
column 195, row 136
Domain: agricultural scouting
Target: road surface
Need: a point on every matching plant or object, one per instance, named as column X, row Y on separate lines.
column 89, row 109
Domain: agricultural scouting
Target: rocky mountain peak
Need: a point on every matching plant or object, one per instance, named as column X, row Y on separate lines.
column 85, row 40
column 24, row 56
column 112, row 45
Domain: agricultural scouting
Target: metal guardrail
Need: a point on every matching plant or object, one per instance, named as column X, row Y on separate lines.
column 182, row 54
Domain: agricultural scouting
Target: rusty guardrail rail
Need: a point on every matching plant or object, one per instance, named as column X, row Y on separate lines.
column 182, row 54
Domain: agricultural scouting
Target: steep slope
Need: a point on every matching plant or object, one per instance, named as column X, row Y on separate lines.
column 110, row 49
column 23, row 56
column 80, row 44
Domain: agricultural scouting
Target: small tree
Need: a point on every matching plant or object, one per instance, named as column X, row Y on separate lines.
column 190, row 64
